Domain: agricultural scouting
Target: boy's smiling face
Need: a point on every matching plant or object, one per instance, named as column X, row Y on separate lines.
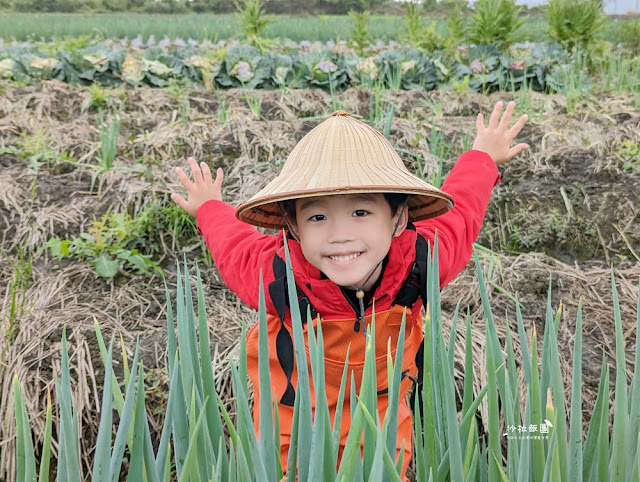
column 346, row 235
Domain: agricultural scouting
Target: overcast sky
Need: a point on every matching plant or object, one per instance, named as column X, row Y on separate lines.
column 611, row 6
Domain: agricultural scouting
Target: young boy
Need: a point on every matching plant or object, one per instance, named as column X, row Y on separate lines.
column 357, row 225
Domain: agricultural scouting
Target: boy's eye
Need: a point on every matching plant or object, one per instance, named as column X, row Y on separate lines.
column 360, row 212
column 317, row 217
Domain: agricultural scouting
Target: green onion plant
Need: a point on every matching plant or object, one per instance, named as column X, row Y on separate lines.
column 15, row 296
column 223, row 113
column 573, row 81
column 336, row 103
column 541, row 439
column 109, row 134
column 381, row 111
column 255, row 103
column 619, row 73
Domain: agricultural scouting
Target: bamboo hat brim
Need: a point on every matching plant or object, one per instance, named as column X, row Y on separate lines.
column 342, row 155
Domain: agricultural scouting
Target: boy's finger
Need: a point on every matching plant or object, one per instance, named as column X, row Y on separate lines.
column 479, row 123
column 184, row 179
column 195, row 171
column 515, row 150
column 517, row 127
column 206, row 173
column 179, row 200
column 495, row 116
column 219, row 177
column 506, row 118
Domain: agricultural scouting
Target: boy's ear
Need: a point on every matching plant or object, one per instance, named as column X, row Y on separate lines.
column 404, row 220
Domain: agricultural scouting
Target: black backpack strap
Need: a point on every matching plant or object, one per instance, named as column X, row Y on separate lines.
column 278, row 291
column 284, row 349
column 416, row 283
column 410, row 289
column 403, row 375
column 417, row 385
column 278, row 287
column 284, row 345
column 422, row 254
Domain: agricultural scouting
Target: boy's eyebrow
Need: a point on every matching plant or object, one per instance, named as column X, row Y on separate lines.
column 309, row 203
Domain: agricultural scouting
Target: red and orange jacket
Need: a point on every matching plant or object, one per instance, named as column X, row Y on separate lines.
column 240, row 251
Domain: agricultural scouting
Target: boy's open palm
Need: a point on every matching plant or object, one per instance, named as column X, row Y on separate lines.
column 202, row 189
column 496, row 139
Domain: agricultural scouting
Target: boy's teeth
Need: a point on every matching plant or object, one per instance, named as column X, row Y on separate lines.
column 345, row 258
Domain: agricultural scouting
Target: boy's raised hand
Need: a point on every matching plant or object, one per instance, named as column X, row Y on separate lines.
column 496, row 139
column 202, row 189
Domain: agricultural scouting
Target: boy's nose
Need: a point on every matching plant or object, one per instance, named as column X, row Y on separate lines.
column 338, row 233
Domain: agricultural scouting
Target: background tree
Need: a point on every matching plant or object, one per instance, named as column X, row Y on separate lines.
column 166, row 6
column 344, row 6
column 430, row 5
column 213, row 6
column 115, row 5
column 291, row 7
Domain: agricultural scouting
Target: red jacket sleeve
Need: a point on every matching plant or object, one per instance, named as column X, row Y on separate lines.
column 239, row 251
column 470, row 183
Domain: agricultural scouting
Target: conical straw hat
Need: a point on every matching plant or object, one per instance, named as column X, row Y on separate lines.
column 342, row 156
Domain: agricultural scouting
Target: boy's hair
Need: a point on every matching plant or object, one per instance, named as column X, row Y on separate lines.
column 394, row 199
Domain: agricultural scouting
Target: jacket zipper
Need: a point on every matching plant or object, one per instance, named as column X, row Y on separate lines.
column 356, row 326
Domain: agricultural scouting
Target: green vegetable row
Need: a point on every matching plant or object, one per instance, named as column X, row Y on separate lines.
column 482, row 68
